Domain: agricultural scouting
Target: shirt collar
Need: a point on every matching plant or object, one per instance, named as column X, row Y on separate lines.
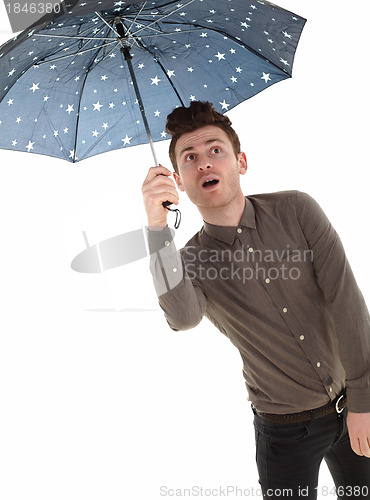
column 227, row 233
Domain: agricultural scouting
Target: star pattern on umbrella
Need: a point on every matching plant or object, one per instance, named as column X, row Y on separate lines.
column 77, row 96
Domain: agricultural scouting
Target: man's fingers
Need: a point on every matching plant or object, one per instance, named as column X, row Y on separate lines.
column 364, row 447
column 157, row 188
column 156, row 197
column 361, row 446
column 160, row 180
column 154, row 171
column 355, row 445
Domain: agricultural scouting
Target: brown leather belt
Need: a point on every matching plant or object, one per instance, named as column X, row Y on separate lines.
column 335, row 406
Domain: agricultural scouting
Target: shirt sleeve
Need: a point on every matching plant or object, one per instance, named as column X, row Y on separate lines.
column 344, row 298
column 183, row 303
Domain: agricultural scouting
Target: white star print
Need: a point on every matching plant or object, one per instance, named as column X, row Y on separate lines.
column 97, row 106
column 220, row 56
column 35, row 87
column 126, row 140
column 266, row 77
column 155, row 80
column 29, row 146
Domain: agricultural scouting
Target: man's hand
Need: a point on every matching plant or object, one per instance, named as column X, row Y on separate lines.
column 359, row 433
column 157, row 188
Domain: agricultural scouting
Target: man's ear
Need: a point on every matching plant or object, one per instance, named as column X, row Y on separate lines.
column 243, row 165
column 178, row 181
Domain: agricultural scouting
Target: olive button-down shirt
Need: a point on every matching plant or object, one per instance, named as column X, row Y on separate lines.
column 279, row 286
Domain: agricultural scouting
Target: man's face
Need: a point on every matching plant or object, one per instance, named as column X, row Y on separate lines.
column 208, row 168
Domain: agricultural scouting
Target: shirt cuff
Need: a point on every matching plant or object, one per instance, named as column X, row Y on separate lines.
column 159, row 239
column 358, row 400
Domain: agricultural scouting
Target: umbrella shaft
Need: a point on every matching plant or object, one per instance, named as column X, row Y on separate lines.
column 141, row 106
column 125, row 49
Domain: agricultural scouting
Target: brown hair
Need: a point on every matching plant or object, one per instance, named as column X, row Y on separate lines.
column 198, row 114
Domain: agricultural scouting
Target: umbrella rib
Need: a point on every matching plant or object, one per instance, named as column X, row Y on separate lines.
column 163, row 17
column 80, row 51
column 77, row 53
column 104, row 21
column 75, row 37
column 156, row 58
column 146, row 27
column 170, row 33
column 137, row 15
column 79, row 109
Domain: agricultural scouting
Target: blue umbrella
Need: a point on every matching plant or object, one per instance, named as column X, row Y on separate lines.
column 103, row 75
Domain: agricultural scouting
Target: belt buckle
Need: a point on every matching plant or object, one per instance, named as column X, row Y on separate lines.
column 339, row 410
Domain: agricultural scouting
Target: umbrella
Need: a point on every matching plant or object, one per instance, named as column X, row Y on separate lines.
column 103, row 75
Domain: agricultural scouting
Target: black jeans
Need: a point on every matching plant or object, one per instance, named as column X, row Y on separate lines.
column 289, row 456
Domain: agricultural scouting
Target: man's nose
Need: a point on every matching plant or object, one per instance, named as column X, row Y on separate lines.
column 204, row 162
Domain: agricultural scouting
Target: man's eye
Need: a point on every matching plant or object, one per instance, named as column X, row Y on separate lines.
column 216, row 150
column 190, row 157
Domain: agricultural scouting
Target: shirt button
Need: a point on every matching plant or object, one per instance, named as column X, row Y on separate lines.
column 174, row 269
column 239, row 230
column 330, row 389
column 318, row 364
column 285, row 310
column 250, row 250
column 167, row 243
column 302, row 337
column 267, row 280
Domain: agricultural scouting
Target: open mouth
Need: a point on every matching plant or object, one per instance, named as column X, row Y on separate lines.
column 210, row 183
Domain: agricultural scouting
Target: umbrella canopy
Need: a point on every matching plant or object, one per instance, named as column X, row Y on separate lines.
column 66, row 89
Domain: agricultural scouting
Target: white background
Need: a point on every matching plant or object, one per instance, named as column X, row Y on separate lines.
column 99, row 398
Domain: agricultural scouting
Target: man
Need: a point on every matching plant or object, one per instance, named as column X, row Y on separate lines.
column 270, row 272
